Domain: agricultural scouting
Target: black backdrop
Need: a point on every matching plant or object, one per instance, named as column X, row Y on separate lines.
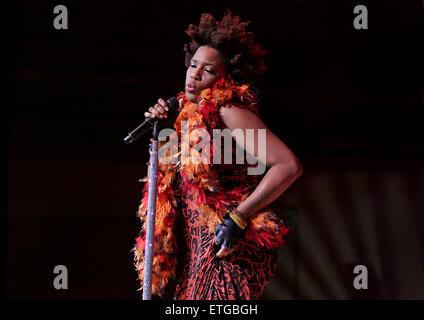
column 348, row 102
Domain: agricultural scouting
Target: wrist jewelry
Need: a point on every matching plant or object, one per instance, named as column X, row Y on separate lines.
column 237, row 217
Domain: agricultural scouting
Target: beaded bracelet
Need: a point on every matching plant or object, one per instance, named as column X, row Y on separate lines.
column 238, row 218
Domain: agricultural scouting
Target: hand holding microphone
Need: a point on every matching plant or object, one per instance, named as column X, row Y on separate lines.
column 160, row 110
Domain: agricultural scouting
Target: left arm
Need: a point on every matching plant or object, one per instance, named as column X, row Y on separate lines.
column 284, row 166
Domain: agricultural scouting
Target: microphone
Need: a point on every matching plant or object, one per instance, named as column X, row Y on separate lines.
column 172, row 104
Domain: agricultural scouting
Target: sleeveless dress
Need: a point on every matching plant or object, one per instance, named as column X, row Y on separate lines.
column 196, row 189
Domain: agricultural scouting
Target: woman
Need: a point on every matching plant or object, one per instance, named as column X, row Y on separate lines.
column 231, row 236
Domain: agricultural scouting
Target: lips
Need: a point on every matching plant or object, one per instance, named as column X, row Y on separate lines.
column 190, row 87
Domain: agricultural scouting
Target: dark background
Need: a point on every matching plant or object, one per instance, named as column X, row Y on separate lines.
column 348, row 102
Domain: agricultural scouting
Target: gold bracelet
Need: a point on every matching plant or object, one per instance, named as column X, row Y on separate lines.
column 238, row 217
column 237, row 220
column 238, row 213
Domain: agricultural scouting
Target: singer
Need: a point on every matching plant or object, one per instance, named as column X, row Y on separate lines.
column 231, row 236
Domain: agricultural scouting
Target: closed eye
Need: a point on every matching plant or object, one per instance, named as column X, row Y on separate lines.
column 209, row 71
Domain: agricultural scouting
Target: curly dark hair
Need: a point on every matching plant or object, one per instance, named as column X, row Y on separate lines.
column 244, row 59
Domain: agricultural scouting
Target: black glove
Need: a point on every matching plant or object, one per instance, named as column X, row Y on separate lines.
column 228, row 232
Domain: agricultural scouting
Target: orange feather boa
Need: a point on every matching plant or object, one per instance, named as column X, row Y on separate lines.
column 203, row 183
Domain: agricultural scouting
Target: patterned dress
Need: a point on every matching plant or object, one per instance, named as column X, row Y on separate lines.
column 199, row 193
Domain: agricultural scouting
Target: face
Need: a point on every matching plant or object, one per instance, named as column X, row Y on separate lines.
column 206, row 67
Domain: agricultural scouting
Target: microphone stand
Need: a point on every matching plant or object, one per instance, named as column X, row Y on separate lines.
column 151, row 206
column 151, row 214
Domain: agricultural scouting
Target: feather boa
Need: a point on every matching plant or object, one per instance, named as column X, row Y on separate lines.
column 203, row 182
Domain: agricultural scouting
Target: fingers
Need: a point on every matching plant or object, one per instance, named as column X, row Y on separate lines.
column 163, row 105
column 224, row 251
column 158, row 110
column 219, row 237
column 218, row 227
column 226, row 247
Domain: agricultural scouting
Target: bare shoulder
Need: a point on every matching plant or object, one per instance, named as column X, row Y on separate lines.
column 237, row 116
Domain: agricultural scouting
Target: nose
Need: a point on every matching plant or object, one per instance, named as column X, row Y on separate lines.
column 196, row 75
